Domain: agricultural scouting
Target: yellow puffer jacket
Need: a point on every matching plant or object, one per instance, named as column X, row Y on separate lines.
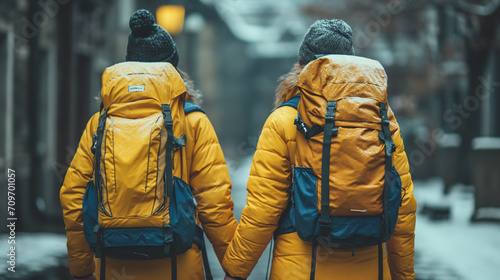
column 268, row 195
column 209, row 181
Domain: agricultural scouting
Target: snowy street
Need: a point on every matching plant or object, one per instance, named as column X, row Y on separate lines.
column 453, row 249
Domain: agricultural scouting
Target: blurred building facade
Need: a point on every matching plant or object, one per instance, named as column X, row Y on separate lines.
column 52, row 55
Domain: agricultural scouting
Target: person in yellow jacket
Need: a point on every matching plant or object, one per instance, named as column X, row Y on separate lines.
column 208, row 177
column 270, row 183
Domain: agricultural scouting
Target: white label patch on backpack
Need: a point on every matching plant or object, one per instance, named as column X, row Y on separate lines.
column 136, row 88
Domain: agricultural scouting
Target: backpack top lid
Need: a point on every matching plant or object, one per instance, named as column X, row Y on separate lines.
column 339, row 76
column 151, row 83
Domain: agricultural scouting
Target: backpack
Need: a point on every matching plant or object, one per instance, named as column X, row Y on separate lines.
column 345, row 191
column 138, row 205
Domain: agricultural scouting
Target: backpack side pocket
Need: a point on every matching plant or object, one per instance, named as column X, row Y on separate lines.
column 90, row 220
column 305, row 202
column 182, row 211
column 395, row 200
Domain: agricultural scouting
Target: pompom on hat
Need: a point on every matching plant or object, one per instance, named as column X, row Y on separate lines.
column 148, row 42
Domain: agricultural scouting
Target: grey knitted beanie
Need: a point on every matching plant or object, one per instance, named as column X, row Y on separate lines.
column 326, row 37
column 148, row 42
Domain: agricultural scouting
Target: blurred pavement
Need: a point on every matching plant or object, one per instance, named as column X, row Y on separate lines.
column 456, row 248
column 239, row 175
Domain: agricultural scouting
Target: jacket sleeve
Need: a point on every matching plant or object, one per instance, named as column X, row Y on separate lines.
column 81, row 259
column 400, row 247
column 270, row 178
column 209, row 179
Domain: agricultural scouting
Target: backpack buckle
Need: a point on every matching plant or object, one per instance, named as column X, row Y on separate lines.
column 179, row 142
column 385, row 121
column 331, row 107
column 301, row 126
column 383, row 114
column 324, row 228
column 169, row 124
column 167, row 234
column 335, row 131
column 167, row 117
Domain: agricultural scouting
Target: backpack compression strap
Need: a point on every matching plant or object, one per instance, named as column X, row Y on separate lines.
column 389, row 148
column 199, row 239
column 96, row 149
column 305, row 129
column 301, row 126
column 330, row 131
column 167, row 117
column 324, row 220
column 168, row 179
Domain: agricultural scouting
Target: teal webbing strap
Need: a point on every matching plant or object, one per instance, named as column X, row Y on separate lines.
column 167, row 117
column 389, row 148
column 330, row 130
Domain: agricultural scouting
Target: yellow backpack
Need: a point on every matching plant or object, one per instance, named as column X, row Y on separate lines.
column 346, row 192
column 139, row 205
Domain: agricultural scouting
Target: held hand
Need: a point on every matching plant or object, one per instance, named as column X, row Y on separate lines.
column 91, row 277
column 229, row 278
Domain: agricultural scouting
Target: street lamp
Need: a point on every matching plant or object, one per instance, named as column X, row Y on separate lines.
column 171, row 18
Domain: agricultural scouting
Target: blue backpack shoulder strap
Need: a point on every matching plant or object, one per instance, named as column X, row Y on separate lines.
column 293, row 102
column 190, row 107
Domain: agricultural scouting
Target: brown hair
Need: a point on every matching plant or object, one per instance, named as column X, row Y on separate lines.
column 193, row 94
column 287, row 83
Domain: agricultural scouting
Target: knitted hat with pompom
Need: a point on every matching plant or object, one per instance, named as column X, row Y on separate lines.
column 148, row 42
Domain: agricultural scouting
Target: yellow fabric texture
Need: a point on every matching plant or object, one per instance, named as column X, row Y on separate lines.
column 200, row 163
column 271, row 179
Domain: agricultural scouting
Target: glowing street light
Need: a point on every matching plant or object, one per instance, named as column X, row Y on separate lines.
column 171, row 18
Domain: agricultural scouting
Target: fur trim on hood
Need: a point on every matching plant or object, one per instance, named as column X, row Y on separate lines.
column 193, row 94
column 288, row 85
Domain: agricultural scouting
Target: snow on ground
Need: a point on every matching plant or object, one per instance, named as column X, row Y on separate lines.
column 456, row 248
column 34, row 252
column 444, row 249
